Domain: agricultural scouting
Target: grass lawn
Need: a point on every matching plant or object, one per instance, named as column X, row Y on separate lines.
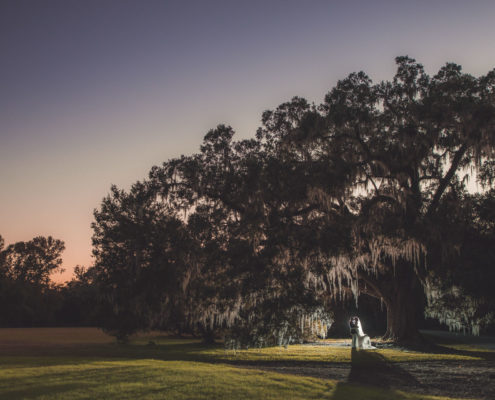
column 84, row 363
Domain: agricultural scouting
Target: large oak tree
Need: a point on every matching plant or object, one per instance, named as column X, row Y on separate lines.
column 339, row 199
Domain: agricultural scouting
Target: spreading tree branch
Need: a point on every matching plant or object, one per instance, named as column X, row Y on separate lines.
column 444, row 182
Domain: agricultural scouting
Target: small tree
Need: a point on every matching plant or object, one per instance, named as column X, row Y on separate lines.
column 142, row 255
column 27, row 296
column 33, row 261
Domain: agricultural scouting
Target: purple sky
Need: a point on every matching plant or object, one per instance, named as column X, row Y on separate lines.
column 96, row 92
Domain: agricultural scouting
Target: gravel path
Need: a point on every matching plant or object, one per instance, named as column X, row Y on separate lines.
column 467, row 379
column 453, row 378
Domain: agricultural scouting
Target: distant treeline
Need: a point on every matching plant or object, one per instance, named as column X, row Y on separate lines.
column 29, row 298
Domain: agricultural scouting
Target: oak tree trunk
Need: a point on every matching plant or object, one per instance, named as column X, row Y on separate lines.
column 402, row 295
column 403, row 304
column 401, row 319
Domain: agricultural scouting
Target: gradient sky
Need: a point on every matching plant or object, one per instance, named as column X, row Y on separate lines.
column 93, row 93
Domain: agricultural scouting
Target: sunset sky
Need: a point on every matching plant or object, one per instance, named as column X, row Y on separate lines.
column 94, row 93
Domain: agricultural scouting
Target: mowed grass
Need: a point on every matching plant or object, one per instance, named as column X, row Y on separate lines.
column 326, row 354
column 84, row 363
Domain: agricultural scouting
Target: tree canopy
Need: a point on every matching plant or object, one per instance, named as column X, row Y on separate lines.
column 366, row 193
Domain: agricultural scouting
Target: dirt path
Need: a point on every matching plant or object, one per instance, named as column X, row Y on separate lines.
column 453, row 378
column 485, row 342
column 467, row 379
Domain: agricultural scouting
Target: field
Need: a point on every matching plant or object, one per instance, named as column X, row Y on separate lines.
column 84, row 363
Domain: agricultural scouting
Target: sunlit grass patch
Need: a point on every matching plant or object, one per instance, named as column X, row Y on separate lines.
column 149, row 379
column 325, row 354
column 155, row 343
column 291, row 353
column 303, row 353
column 394, row 355
column 469, row 347
column 155, row 379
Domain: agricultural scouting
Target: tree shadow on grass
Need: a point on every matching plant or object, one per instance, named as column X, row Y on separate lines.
column 373, row 369
column 375, row 376
column 46, row 390
column 109, row 382
column 445, row 348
